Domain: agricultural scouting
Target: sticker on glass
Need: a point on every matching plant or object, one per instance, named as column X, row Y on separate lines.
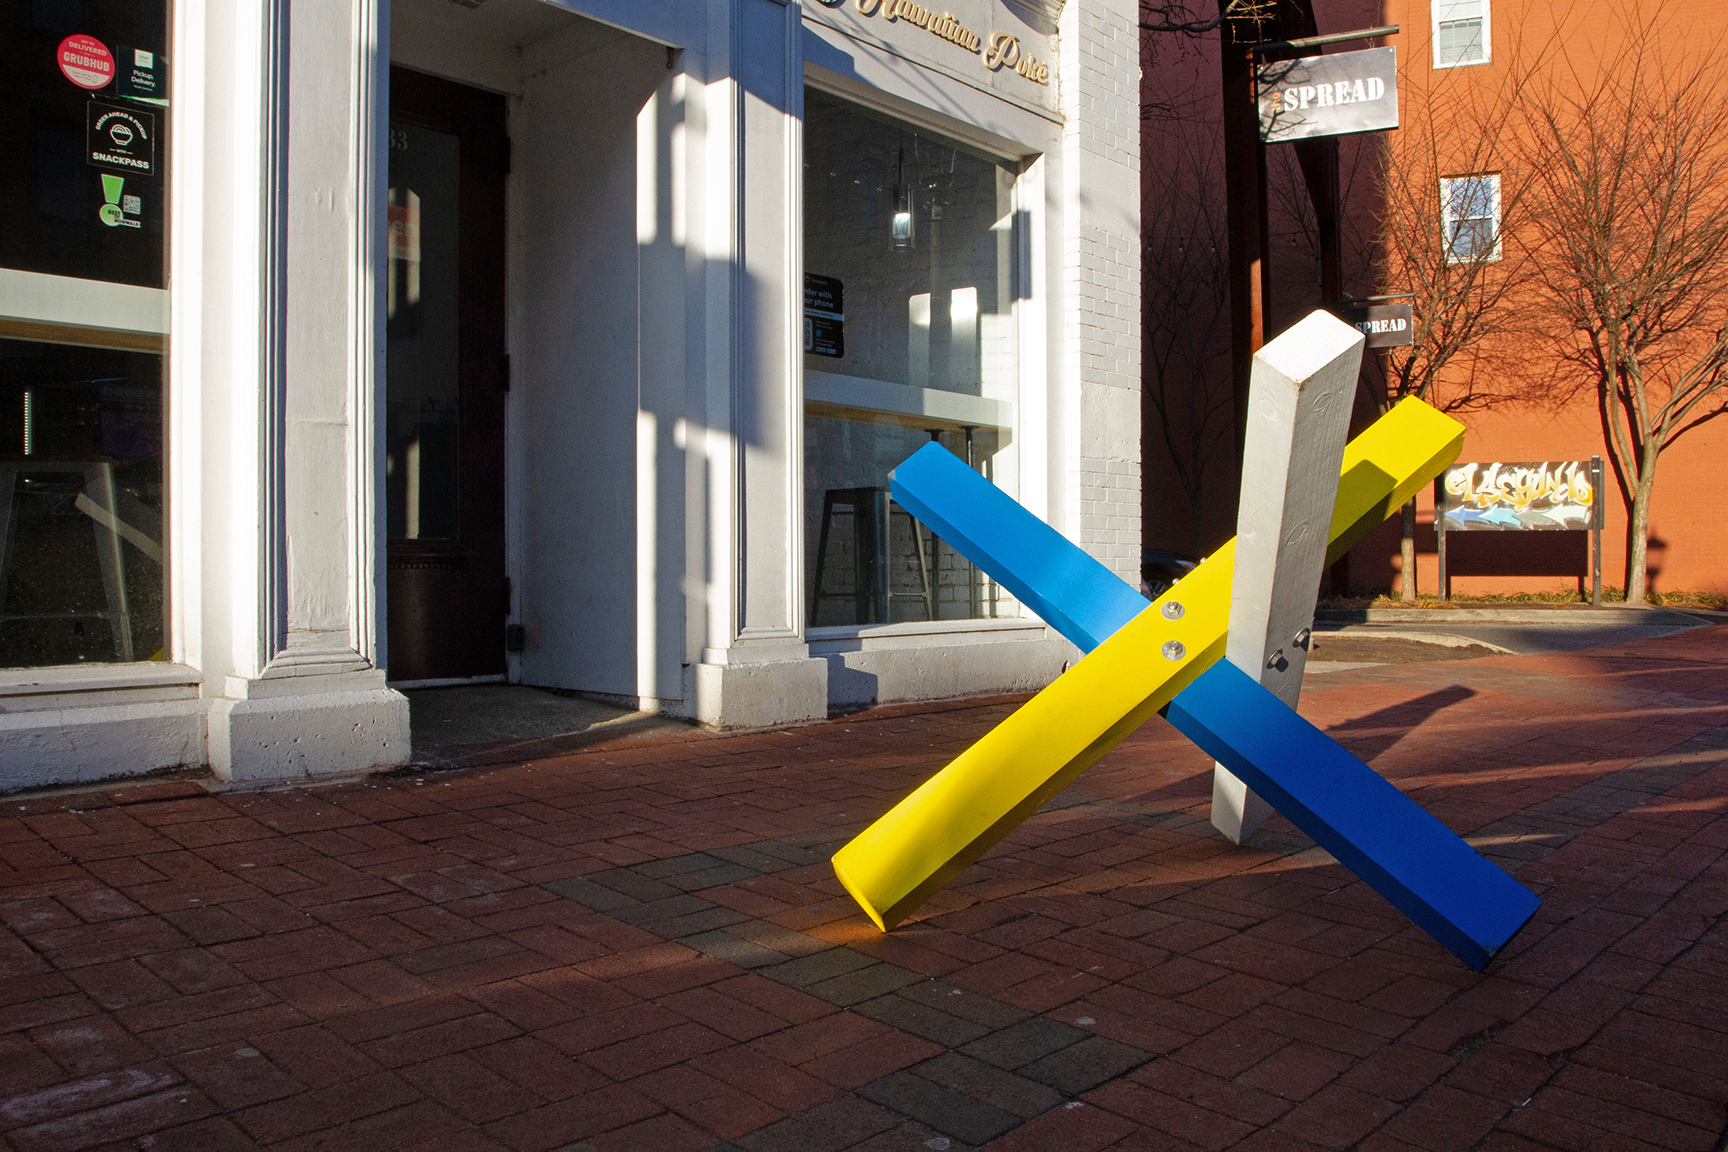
column 86, row 61
column 143, row 75
column 120, row 138
column 119, row 210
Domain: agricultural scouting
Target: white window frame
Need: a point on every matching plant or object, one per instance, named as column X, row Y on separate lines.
column 1435, row 7
column 1446, row 219
column 1021, row 470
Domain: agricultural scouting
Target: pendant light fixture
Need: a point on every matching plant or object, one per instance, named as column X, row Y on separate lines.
column 901, row 228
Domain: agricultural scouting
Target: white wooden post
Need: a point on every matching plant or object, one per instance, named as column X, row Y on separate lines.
column 1300, row 394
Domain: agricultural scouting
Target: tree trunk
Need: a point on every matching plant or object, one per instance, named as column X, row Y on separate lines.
column 1407, row 550
column 1638, row 537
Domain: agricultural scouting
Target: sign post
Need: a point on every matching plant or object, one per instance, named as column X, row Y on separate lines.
column 1256, row 75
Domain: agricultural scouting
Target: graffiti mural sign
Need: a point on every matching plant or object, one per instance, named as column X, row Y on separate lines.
column 1552, row 494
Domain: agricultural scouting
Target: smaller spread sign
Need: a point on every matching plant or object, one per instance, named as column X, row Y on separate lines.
column 121, row 139
column 1331, row 95
column 1384, row 325
column 824, row 316
column 143, row 74
column 86, row 61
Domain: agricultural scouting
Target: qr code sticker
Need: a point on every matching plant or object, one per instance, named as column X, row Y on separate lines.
column 132, row 205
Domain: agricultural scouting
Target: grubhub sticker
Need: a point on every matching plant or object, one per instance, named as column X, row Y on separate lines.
column 86, row 61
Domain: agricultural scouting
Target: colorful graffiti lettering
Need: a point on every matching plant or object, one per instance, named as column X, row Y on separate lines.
column 1509, row 497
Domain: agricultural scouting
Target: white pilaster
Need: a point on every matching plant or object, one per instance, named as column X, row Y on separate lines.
column 290, row 464
column 1099, row 78
column 754, row 667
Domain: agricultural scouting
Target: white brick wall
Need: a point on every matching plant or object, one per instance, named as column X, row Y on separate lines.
column 1099, row 79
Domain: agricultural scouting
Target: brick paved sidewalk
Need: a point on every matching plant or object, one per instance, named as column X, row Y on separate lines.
column 642, row 947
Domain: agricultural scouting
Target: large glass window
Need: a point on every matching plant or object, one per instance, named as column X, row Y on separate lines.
column 83, row 330
column 909, row 337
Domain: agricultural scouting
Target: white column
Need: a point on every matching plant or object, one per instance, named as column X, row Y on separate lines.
column 1099, row 419
column 290, row 378
column 754, row 667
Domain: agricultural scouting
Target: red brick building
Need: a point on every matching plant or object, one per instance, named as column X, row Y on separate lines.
column 1451, row 53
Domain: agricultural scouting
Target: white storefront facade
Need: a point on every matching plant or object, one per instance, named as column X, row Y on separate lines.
column 564, row 343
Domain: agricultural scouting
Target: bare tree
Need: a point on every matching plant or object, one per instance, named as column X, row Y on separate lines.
column 1185, row 313
column 1630, row 158
column 1465, row 282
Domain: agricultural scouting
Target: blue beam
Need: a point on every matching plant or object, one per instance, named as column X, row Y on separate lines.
column 1420, row 866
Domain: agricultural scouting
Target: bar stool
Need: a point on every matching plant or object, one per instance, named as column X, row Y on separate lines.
column 100, row 503
column 872, row 527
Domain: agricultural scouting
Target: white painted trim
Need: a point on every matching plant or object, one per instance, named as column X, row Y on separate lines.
column 184, row 523
column 856, row 398
column 447, row 682
column 66, row 678
column 370, row 100
column 826, row 636
column 43, row 299
column 1487, row 36
column 817, row 17
column 272, row 192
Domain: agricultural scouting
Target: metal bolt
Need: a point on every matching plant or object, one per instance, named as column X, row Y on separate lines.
column 1302, row 638
column 1172, row 610
column 1275, row 659
column 1173, row 650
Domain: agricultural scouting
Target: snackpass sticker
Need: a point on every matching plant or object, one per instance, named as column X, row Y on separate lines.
column 121, row 139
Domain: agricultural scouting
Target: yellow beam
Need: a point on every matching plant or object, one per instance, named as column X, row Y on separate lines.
column 959, row 814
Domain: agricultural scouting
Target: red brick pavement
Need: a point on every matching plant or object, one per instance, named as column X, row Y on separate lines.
column 642, row 946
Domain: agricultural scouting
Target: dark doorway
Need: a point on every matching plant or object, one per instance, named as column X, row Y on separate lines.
column 446, row 379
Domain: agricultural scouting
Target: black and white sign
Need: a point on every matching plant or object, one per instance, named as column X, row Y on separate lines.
column 824, row 316
column 141, row 74
column 1331, row 95
column 1384, row 325
column 121, row 139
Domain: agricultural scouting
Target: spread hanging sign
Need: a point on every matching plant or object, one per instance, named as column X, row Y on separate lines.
column 1333, row 95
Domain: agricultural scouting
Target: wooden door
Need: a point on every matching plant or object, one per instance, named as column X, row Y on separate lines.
column 446, row 379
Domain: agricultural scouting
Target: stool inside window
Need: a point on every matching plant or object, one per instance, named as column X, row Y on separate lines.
column 873, row 515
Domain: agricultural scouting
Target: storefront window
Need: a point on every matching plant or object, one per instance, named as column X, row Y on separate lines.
column 83, row 330
column 909, row 337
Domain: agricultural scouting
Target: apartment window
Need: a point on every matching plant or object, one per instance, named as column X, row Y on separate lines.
column 1460, row 32
column 83, row 330
column 909, row 337
column 1470, row 215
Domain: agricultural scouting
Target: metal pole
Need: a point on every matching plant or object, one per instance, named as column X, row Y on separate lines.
column 1307, row 42
column 1596, row 516
column 1245, row 210
column 1440, row 534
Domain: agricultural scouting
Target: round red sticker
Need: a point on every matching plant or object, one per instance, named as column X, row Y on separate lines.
column 86, row 61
